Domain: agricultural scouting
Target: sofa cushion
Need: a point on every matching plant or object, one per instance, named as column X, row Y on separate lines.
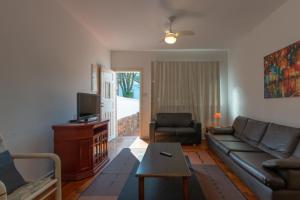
column 226, row 138
column 174, row 119
column 279, row 140
column 254, row 131
column 165, row 131
column 181, row 131
column 228, row 146
column 252, row 163
column 9, row 175
column 239, row 125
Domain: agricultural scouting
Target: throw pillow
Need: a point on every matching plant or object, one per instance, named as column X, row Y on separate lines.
column 9, row 175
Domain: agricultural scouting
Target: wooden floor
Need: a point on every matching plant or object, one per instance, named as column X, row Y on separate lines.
column 197, row 155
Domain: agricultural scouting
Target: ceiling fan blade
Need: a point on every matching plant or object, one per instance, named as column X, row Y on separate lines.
column 186, row 33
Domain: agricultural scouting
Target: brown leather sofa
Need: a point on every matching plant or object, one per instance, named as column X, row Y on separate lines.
column 175, row 127
column 265, row 156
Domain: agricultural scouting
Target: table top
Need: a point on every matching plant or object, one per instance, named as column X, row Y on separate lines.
column 154, row 164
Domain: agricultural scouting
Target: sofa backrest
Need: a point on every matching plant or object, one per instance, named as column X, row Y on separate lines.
column 239, row 125
column 174, row 119
column 279, row 140
column 254, row 131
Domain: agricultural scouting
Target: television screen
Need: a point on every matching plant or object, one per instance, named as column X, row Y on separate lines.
column 87, row 105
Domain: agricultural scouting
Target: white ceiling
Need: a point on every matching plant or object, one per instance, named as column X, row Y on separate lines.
column 140, row 24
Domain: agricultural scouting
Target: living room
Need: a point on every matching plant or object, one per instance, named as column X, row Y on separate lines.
column 50, row 49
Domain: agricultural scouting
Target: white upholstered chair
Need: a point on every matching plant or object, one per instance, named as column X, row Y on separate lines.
column 39, row 189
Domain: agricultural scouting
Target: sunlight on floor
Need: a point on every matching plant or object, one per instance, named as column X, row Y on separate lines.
column 138, row 143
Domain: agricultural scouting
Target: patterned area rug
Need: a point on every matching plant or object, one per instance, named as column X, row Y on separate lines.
column 116, row 177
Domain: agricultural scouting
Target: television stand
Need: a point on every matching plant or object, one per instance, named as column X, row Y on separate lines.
column 82, row 148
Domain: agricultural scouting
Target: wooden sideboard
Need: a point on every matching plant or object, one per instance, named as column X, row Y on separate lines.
column 82, row 148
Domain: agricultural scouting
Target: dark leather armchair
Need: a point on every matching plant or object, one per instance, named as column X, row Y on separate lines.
column 175, row 127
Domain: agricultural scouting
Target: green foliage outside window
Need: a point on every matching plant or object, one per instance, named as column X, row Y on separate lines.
column 126, row 82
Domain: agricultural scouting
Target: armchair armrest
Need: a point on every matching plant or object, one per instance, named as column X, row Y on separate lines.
column 197, row 126
column 152, row 127
column 3, row 194
column 221, row 130
column 52, row 156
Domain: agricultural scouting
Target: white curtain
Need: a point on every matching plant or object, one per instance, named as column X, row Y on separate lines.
column 186, row 86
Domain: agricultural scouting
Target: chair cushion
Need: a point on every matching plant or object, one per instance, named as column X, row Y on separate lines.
column 185, row 131
column 254, row 131
column 168, row 131
column 174, row 119
column 9, row 175
column 226, row 138
column 239, row 125
column 279, row 140
column 252, row 163
column 228, row 146
column 28, row 191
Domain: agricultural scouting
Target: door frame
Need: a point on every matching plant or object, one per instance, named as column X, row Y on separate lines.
column 141, row 71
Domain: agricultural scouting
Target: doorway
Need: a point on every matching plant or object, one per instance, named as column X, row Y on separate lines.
column 128, row 102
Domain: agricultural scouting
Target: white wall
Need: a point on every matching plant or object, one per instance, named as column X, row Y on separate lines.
column 127, row 107
column 142, row 59
column 45, row 59
column 245, row 85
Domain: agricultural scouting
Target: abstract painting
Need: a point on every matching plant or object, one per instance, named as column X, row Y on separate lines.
column 282, row 72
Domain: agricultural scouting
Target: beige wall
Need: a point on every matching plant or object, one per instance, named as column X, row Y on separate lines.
column 143, row 60
column 246, row 87
column 45, row 58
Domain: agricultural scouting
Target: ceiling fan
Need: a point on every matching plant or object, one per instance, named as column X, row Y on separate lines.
column 171, row 36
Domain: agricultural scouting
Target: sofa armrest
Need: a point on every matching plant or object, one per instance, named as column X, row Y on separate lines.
column 291, row 177
column 288, row 169
column 3, row 194
column 52, row 156
column 221, row 130
column 152, row 127
column 288, row 163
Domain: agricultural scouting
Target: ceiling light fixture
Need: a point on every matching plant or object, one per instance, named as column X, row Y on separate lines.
column 170, row 38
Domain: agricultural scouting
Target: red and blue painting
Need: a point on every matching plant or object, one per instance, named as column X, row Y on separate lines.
column 282, row 72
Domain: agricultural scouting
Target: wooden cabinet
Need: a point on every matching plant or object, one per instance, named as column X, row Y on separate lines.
column 82, row 148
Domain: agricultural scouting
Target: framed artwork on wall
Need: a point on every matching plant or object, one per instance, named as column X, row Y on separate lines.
column 282, row 72
column 95, row 78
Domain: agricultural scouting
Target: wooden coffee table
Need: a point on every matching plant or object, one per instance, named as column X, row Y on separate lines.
column 156, row 165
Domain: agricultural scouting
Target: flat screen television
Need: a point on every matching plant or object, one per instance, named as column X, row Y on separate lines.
column 87, row 106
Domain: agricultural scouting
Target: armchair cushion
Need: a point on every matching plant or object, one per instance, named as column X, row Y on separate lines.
column 9, row 175
column 165, row 131
column 181, row 131
column 289, row 163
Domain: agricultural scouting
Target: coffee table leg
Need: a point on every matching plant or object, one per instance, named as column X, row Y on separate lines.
column 185, row 188
column 141, row 188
